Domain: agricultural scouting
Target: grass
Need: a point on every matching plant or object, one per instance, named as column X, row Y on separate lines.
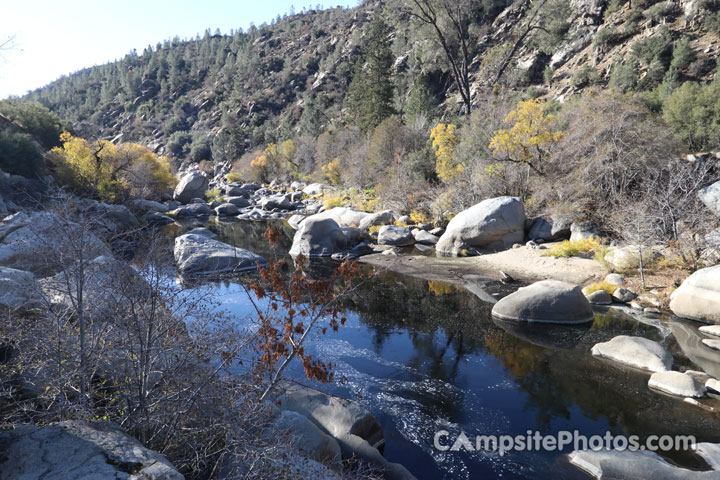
column 215, row 194
column 576, row 248
column 597, row 286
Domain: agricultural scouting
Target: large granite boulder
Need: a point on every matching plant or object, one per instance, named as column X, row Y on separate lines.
column 240, row 202
column 628, row 257
column 710, row 196
column 199, row 255
column 309, row 438
column 493, row 224
column 281, row 202
column 636, row 352
column 315, row 188
column 395, row 236
column 109, row 219
column 237, row 191
column 77, row 450
column 344, row 216
column 698, row 297
column 192, row 185
column 43, row 242
column 356, row 430
column 18, row 289
column 226, row 209
column 584, row 230
column 386, row 217
column 318, row 236
column 547, row 301
column 143, row 205
column 192, row 210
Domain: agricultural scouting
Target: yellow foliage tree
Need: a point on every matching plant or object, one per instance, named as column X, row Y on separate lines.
column 529, row 139
column 444, row 140
column 275, row 161
column 110, row 171
column 332, row 171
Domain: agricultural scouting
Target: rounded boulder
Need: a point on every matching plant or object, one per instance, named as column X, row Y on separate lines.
column 547, row 301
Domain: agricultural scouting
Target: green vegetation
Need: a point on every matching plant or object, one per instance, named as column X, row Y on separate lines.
column 20, row 154
column 575, row 248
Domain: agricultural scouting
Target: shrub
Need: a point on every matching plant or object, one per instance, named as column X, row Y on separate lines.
column 20, row 154
column 585, row 76
column 574, row 248
column 35, row 119
column 234, row 177
column 214, row 194
column 607, row 37
column 693, row 111
column 597, row 286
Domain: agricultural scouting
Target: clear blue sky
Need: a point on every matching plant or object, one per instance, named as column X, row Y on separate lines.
column 54, row 37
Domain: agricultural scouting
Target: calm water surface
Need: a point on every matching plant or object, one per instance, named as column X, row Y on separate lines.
column 427, row 356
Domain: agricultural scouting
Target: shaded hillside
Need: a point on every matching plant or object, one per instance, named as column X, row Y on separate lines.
column 219, row 95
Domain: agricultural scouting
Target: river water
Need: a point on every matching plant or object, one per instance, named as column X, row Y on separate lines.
column 427, row 356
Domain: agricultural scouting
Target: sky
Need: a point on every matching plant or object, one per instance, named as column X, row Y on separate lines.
column 53, row 38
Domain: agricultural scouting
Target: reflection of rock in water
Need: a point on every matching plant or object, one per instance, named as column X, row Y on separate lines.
column 545, row 335
column 690, row 341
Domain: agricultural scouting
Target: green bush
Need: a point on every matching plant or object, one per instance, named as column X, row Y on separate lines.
column 585, row 76
column 36, row 120
column 607, row 37
column 693, row 111
column 624, row 74
column 20, row 154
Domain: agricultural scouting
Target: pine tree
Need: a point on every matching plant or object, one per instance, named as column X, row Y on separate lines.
column 371, row 92
column 421, row 100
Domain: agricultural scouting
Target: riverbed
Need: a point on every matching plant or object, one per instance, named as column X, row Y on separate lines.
column 426, row 356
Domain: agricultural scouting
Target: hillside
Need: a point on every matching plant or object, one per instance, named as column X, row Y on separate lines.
column 219, row 95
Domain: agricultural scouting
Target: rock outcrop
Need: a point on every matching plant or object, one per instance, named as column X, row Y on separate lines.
column 710, row 196
column 395, row 236
column 192, row 185
column 199, row 255
column 493, row 224
column 547, row 301
column 698, row 297
column 18, row 289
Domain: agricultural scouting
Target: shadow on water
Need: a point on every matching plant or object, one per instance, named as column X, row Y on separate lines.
column 426, row 356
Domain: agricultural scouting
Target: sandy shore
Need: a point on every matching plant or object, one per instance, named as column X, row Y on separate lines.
column 524, row 264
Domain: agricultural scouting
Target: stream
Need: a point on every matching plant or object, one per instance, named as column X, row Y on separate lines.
column 427, row 356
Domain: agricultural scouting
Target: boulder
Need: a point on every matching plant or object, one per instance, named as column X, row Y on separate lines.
column 540, row 229
column 295, row 220
column 628, row 257
column 493, row 224
column 157, row 218
column 713, row 330
column 192, row 210
column 237, row 191
column 710, row 452
column 627, row 464
column 395, row 236
column 240, row 202
column 226, row 210
column 281, row 202
column 109, row 219
column 547, row 301
column 698, row 297
column 676, row 383
column 250, row 186
column 710, row 196
column 584, row 230
column 315, row 188
column 614, row 279
column 345, row 217
column 192, row 185
column 309, row 438
column 637, row 352
column 144, row 205
column 199, row 255
column 318, row 236
column 78, row 450
column 425, row 238
column 623, row 295
column 385, row 217
column 18, row 289
column 561, row 225
column 599, row 297
column 42, row 242
column 713, row 343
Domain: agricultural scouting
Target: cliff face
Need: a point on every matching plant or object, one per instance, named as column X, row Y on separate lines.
column 290, row 78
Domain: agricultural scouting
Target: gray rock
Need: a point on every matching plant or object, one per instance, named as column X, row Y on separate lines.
column 698, row 297
column 192, row 185
column 404, row 219
column 42, row 242
column 3, row 208
column 561, row 225
column 315, row 188
column 615, row 279
column 711, row 343
column 676, row 383
column 712, row 386
column 690, row 342
column 172, row 204
column 250, row 186
column 144, row 205
column 623, row 295
column 385, row 217
column 309, row 438
column 710, row 196
column 240, row 202
column 192, row 210
column 713, row 330
column 540, row 229
column 640, row 465
column 18, row 289
column 624, row 258
column 395, row 236
column 547, row 301
column 205, row 232
column 318, row 237
column 281, row 202
column 584, row 230
column 438, row 231
column 199, row 255
column 109, row 219
column 600, row 297
column 637, row 352
column 226, row 209
column 157, row 218
column 493, row 224
column 237, row 191
column 295, row 220
column 76, row 450
column 425, row 238
column 710, row 452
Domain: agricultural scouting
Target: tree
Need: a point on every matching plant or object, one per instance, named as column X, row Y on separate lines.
column 110, row 171
column 371, row 92
column 450, row 20
column 35, row 119
column 444, row 140
column 530, row 138
column 20, row 154
column 421, row 101
column 693, row 111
